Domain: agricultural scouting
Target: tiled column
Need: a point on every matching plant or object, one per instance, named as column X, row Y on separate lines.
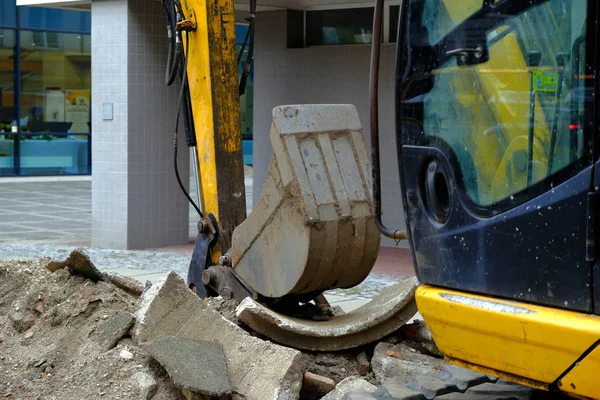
column 136, row 202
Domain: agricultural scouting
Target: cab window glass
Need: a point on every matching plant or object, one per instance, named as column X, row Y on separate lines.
column 518, row 116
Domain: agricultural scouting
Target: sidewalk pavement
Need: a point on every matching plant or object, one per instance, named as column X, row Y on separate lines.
column 51, row 218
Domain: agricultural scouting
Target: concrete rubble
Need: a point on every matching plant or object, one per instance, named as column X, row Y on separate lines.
column 402, row 363
column 258, row 369
column 145, row 383
column 350, row 384
column 197, row 368
column 113, row 329
column 78, row 263
column 125, row 283
column 163, row 342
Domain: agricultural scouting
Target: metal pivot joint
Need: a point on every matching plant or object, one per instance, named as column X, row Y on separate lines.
column 207, row 237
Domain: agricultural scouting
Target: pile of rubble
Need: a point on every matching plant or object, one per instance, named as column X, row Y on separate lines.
column 68, row 331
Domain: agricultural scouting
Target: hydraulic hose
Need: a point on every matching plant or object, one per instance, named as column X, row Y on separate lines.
column 175, row 46
column 374, row 114
column 248, row 64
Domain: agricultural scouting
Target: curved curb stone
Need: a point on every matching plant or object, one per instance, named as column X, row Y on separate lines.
column 383, row 315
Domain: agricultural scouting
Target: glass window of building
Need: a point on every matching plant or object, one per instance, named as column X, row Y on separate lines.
column 339, row 26
column 55, row 104
column 7, row 101
column 45, row 91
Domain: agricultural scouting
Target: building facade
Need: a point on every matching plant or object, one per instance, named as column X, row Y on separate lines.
column 307, row 51
column 45, row 98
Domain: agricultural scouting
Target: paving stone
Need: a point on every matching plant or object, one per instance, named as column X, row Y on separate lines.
column 402, row 363
column 430, row 386
column 258, row 369
column 462, row 378
column 113, row 329
column 351, row 384
column 394, row 390
column 502, row 391
column 195, row 366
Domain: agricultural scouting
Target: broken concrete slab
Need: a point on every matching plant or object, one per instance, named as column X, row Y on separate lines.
column 351, row 384
column 402, row 363
column 258, row 369
column 430, row 386
column 78, row 263
column 384, row 314
column 125, row 283
column 145, row 384
column 462, row 378
column 113, row 329
column 196, row 367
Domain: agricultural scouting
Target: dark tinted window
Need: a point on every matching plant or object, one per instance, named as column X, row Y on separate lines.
column 343, row 26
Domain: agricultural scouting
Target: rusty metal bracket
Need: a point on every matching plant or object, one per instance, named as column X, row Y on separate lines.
column 187, row 25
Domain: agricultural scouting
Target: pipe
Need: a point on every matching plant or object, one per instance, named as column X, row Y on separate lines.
column 374, row 114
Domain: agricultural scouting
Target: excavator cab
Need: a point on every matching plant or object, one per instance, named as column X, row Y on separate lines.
column 496, row 119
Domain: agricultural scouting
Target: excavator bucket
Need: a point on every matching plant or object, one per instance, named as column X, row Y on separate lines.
column 312, row 228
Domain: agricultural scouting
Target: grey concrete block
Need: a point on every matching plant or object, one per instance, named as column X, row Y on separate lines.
column 257, row 369
column 113, row 329
column 195, row 366
column 351, row 384
column 402, row 363
column 430, row 386
column 462, row 378
column 394, row 390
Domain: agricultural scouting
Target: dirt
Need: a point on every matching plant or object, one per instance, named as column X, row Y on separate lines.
column 48, row 338
column 337, row 366
column 50, row 348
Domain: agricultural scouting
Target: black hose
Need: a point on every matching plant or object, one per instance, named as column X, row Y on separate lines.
column 176, row 133
column 174, row 51
column 374, row 114
column 243, row 48
column 251, row 33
